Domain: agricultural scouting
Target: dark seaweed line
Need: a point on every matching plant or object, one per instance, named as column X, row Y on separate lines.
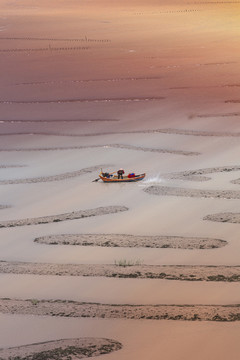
column 156, row 131
column 47, row 49
column 168, row 12
column 91, row 80
column 57, row 120
column 63, row 101
column 11, row 166
column 85, row 39
column 216, row 115
column 215, row 2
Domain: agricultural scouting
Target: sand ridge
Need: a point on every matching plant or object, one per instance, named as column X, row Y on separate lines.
column 196, row 175
column 4, row 206
column 11, row 166
column 237, row 181
column 59, row 177
column 61, row 349
column 117, row 146
column 227, row 217
column 63, row 217
column 70, row 308
column 167, row 272
column 152, row 131
column 126, row 240
column 194, row 193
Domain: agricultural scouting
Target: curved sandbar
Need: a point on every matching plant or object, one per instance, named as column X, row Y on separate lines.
column 63, row 217
column 194, row 193
column 126, row 240
column 196, row 175
column 167, row 272
column 70, row 308
column 59, row 177
column 62, row 349
column 228, row 217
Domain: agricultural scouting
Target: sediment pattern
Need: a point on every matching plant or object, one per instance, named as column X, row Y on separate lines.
column 64, row 176
column 167, row 272
column 117, row 146
column 123, row 240
column 64, row 101
column 196, row 175
column 63, row 217
column 227, row 217
column 70, row 308
column 62, row 349
column 194, row 193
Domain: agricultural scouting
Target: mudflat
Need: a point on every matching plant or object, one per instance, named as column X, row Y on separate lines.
column 147, row 86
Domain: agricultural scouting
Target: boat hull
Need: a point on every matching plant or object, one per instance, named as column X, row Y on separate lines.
column 115, row 179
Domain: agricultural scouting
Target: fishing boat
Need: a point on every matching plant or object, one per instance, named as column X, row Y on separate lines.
column 109, row 178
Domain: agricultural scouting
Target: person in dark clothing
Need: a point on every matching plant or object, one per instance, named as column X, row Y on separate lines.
column 120, row 173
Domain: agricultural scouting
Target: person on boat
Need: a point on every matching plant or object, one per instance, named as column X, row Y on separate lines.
column 120, row 173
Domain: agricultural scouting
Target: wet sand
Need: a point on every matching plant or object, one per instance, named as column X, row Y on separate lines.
column 149, row 87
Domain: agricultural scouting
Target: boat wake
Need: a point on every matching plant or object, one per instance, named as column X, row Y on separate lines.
column 152, row 180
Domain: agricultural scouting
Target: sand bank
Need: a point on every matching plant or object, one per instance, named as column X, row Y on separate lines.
column 123, row 240
column 61, row 349
column 59, row 177
column 168, row 272
column 228, row 217
column 195, row 193
column 63, row 217
column 195, row 175
column 70, row 308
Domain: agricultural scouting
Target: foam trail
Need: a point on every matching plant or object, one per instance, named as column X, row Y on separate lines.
column 152, row 180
